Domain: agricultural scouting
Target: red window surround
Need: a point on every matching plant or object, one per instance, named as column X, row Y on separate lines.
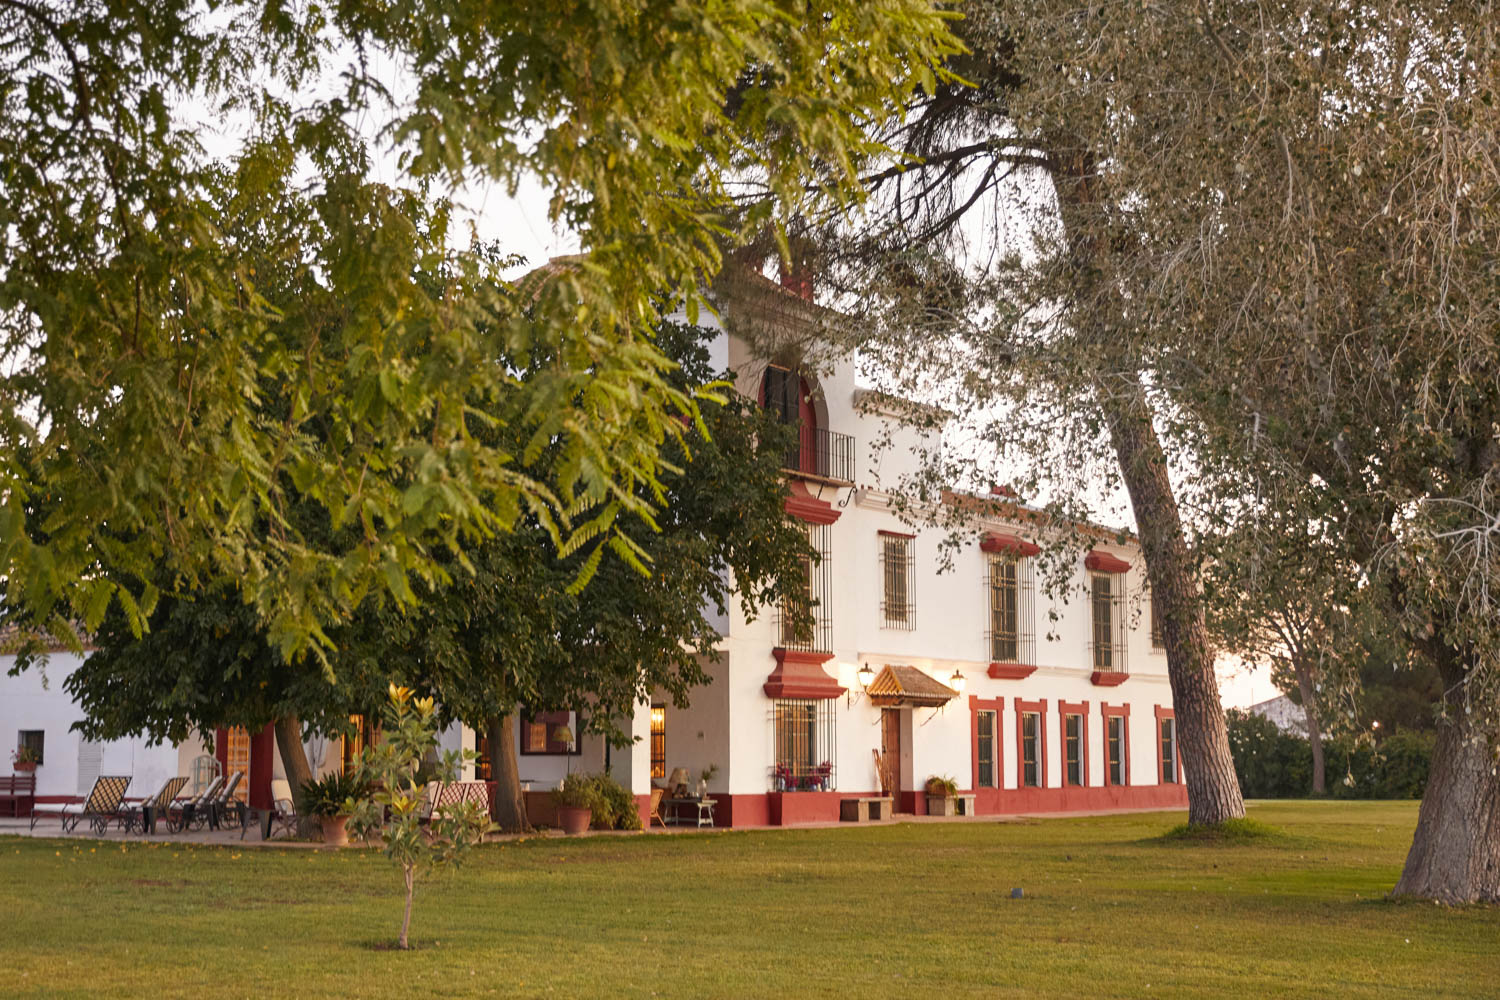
column 1109, row 711
column 1105, row 562
column 1162, row 714
column 1014, row 544
column 977, row 705
column 1040, row 708
column 1081, row 709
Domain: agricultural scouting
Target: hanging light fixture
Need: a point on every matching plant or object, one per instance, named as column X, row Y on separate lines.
column 866, row 675
column 957, row 681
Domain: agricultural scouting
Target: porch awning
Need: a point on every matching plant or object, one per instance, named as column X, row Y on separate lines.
column 903, row 686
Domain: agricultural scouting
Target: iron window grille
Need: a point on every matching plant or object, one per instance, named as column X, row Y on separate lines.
column 658, row 741
column 1073, row 748
column 1114, row 748
column 1031, row 750
column 1107, row 636
column 898, row 569
column 1169, row 751
column 805, row 737
column 984, row 724
column 1156, row 639
column 802, row 622
column 34, row 740
column 1011, row 636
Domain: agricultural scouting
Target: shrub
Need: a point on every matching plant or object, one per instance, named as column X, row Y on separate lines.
column 1271, row 764
column 333, row 794
column 613, row 804
column 941, row 785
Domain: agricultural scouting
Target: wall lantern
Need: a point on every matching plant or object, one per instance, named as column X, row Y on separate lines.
column 957, row 681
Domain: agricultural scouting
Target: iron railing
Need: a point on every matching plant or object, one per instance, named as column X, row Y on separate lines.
column 802, row 622
column 1011, row 637
column 805, row 737
column 822, row 453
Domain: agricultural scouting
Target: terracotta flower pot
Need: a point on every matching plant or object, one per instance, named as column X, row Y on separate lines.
column 25, row 766
column 574, row 819
column 334, row 832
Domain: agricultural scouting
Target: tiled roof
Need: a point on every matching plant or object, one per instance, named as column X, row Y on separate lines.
column 904, row 685
column 14, row 636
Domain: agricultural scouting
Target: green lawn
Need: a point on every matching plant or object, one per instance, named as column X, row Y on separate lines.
column 889, row 911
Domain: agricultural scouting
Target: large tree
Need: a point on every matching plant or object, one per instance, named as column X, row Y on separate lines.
column 513, row 632
column 1277, row 224
column 136, row 333
column 509, row 628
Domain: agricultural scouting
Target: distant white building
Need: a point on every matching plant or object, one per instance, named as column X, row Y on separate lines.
column 1286, row 714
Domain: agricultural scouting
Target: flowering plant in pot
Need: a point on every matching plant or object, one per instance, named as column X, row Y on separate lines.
column 574, row 799
column 24, row 759
column 942, row 796
column 331, row 800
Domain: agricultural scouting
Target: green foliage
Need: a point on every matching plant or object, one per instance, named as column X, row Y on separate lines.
column 333, row 794
column 615, row 807
column 393, row 807
column 942, row 785
column 214, row 305
column 577, row 791
column 1271, row 764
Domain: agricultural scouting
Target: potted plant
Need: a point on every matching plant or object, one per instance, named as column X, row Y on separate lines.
column 574, row 799
column 942, row 796
column 24, row 759
column 708, row 774
column 331, row 799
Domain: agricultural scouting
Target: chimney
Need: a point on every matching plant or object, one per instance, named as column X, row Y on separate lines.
column 798, row 280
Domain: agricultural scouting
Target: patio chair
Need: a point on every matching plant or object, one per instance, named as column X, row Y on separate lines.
column 225, row 801
column 133, row 814
column 655, row 815
column 101, row 806
column 182, row 812
column 283, row 816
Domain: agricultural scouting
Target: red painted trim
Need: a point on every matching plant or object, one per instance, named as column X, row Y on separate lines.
column 221, row 750
column 1105, row 562
column 806, row 507
column 262, row 765
column 1040, row 708
column 1162, row 714
column 742, row 810
column 801, row 675
column 1010, row 671
column 1108, row 678
column 642, row 808
column 894, row 534
column 1108, row 712
column 1075, row 799
column 1015, row 545
column 977, row 705
column 790, row 808
column 1065, row 709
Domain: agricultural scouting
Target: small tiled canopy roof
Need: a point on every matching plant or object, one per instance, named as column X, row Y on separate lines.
column 895, row 686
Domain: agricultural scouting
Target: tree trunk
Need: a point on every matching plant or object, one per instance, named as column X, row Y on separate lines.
column 1097, row 317
column 508, row 806
column 410, row 875
column 1314, row 729
column 294, row 762
column 1213, row 790
column 1455, row 851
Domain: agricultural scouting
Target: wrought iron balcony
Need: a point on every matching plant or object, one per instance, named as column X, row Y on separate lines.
column 822, row 454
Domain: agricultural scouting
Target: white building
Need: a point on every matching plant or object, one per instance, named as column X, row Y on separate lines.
column 947, row 674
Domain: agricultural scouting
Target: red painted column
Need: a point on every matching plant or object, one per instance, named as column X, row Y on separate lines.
column 262, row 765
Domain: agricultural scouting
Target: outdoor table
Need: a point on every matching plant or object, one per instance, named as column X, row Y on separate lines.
column 676, row 806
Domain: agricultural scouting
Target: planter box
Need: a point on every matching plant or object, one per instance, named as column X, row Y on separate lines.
column 941, row 805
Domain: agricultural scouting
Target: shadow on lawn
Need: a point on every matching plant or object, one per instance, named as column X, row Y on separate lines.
column 1230, row 833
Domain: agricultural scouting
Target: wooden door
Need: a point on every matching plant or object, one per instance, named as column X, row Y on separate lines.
column 890, row 752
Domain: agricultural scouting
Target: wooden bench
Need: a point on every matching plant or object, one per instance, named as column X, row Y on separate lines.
column 966, row 805
column 16, row 789
column 861, row 810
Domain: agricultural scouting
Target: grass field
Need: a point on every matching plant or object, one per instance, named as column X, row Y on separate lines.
column 908, row 910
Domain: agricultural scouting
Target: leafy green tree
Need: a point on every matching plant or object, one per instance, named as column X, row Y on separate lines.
column 138, row 334
column 512, row 632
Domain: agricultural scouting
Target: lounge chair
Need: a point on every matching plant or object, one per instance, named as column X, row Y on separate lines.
column 225, row 801
column 184, row 811
column 133, row 815
column 101, row 806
